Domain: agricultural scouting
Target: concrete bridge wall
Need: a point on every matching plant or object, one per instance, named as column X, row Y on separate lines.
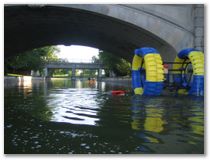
column 118, row 29
column 74, row 65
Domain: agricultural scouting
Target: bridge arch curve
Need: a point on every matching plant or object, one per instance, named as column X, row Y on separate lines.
column 118, row 29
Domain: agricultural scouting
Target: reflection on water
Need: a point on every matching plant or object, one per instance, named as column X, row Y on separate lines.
column 153, row 122
column 63, row 116
column 151, row 113
column 74, row 106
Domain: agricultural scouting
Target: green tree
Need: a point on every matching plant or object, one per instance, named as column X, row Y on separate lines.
column 119, row 66
column 89, row 73
column 31, row 60
column 50, row 53
column 95, row 59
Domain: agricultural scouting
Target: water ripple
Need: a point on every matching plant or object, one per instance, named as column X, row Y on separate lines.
column 75, row 106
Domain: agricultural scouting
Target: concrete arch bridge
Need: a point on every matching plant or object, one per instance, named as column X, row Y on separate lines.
column 117, row 28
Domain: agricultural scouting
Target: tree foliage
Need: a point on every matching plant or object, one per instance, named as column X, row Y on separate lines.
column 119, row 66
column 95, row 59
column 31, row 60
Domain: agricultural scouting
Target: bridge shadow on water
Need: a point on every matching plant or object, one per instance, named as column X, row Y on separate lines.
column 60, row 117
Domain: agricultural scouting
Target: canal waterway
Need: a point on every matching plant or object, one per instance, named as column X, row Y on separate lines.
column 75, row 117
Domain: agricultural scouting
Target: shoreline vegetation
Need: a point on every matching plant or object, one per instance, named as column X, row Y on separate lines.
column 33, row 63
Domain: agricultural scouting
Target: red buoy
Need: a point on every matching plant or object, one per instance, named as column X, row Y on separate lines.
column 118, row 93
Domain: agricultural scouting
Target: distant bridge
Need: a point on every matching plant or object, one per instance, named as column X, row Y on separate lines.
column 73, row 67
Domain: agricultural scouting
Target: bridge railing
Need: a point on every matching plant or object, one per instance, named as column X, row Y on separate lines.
column 72, row 61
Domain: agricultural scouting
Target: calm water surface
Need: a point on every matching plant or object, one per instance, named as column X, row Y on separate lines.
column 62, row 116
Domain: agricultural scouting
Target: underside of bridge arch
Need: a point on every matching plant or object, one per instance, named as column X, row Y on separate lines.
column 28, row 27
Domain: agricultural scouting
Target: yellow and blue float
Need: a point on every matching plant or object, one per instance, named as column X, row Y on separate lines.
column 196, row 85
column 147, row 72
